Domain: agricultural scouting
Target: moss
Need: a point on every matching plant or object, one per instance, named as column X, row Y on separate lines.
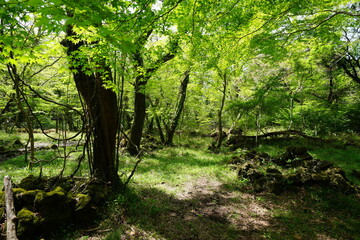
column 31, row 183
column 55, row 207
column 26, row 198
column 85, row 212
column 28, row 224
column 82, row 201
column 2, row 205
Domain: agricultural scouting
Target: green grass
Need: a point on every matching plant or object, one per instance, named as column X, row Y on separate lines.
column 174, row 188
column 17, row 168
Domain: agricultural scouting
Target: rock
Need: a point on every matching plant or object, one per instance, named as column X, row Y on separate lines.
column 84, row 211
column 254, row 175
column 323, row 165
column 293, row 179
column 17, row 143
column 54, row 146
column 293, row 157
column 336, row 170
column 277, row 186
column 98, row 191
column 259, row 184
column 31, row 183
column 320, row 178
column 273, row 174
column 356, row 173
column 236, row 160
column 243, row 170
column 339, row 182
column 25, row 198
column 28, row 224
column 55, row 207
column 304, row 175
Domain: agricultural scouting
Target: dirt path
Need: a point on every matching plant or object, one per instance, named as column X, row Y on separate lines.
column 205, row 210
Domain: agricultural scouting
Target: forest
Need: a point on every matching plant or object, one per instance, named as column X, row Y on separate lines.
column 180, row 119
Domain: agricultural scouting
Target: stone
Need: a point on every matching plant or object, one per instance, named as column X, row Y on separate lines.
column 259, row 184
column 277, row 186
column 17, row 143
column 339, row 182
column 320, row 178
column 243, row 170
column 254, row 175
column 323, row 165
column 31, row 183
column 273, row 174
column 303, row 174
column 56, row 207
column 85, row 212
column 26, row 198
column 29, row 223
column 54, row 146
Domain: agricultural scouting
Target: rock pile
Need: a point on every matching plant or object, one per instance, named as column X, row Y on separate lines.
column 42, row 210
column 295, row 167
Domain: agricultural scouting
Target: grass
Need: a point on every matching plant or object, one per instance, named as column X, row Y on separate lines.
column 17, row 168
column 186, row 192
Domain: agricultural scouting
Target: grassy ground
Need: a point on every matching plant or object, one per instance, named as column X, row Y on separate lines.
column 186, row 192
column 189, row 193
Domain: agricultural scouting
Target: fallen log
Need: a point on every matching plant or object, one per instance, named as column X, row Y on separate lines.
column 10, row 210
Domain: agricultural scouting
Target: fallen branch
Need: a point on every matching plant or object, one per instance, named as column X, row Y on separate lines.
column 10, row 210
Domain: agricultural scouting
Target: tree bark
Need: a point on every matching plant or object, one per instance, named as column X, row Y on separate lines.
column 220, row 126
column 10, row 210
column 179, row 108
column 141, row 80
column 102, row 112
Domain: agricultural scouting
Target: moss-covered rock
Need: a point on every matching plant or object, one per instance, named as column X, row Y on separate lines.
column 28, row 224
column 98, row 191
column 31, row 183
column 85, row 211
column 26, row 198
column 56, row 207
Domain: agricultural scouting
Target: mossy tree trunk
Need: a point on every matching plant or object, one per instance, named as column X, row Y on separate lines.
column 101, row 110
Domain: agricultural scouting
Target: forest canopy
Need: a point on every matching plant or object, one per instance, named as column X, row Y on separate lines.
column 116, row 70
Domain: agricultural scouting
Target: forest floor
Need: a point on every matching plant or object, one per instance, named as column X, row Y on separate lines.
column 185, row 193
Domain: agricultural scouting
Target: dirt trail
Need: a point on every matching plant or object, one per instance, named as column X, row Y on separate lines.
column 206, row 210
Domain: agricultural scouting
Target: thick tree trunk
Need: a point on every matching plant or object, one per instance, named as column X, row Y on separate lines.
column 10, row 210
column 102, row 111
column 179, row 108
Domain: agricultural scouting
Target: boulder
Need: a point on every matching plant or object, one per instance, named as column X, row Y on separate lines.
column 29, row 223
column 25, row 198
column 254, row 175
column 56, row 207
column 323, row 165
column 31, row 183
column 340, row 183
column 85, row 212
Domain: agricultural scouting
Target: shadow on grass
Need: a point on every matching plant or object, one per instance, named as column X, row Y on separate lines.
column 301, row 214
column 202, row 216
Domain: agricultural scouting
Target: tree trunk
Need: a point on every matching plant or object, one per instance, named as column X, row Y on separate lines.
column 139, row 115
column 102, row 112
column 220, row 127
column 10, row 210
column 179, row 108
